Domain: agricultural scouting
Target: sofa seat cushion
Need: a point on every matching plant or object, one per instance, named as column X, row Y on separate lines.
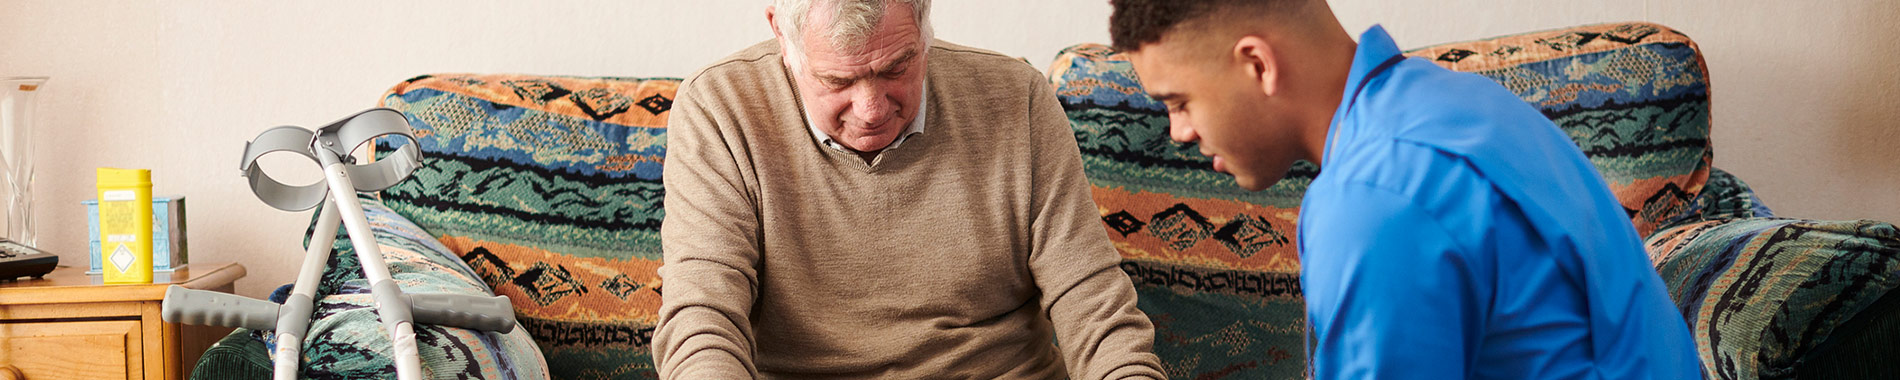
column 549, row 187
column 1763, row 296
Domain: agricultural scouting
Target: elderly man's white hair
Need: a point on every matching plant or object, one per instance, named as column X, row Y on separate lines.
column 853, row 22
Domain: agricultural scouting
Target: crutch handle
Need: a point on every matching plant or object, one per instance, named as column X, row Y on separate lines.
column 483, row 313
column 204, row 307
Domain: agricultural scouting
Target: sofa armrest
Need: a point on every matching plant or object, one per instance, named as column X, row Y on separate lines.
column 1863, row 348
column 240, row 355
column 1763, row 296
column 346, row 338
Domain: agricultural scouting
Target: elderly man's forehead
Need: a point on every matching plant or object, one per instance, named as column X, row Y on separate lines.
column 867, row 60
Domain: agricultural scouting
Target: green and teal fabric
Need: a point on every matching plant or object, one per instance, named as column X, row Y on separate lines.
column 549, row 187
column 1771, row 298
column 1216, row 268
column 346, row 339
column 1723, row 197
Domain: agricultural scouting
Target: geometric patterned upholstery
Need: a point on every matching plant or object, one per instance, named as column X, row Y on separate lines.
column 1723, row 197
column 549, row 187
column 1764, row 295
column 1633, row 96
column 346, row 339
column 1216, row 266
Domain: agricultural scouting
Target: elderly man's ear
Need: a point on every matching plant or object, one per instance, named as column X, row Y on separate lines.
column 771, row 16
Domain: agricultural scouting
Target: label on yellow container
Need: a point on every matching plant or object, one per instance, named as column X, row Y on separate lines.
column 125, row 225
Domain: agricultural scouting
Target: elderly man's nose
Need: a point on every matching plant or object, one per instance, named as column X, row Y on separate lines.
column 872, row 106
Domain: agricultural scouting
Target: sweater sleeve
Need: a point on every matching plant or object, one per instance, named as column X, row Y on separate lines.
column 1084, row 291
column 710, row 240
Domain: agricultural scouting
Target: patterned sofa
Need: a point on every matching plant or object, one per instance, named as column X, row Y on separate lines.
column 547, row 189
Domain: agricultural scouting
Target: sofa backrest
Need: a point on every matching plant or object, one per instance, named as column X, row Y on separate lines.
column 1217, row 267
column 549, row 187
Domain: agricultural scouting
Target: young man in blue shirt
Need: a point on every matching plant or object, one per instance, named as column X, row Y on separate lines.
column 1453, row 231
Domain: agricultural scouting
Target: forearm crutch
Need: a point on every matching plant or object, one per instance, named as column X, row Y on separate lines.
column 330, row 147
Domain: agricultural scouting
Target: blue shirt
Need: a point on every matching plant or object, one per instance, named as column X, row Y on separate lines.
column 1456, row 233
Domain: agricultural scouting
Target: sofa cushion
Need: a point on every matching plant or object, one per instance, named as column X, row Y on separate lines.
column 1217, row 268
column 347, row 340
column 1763, row 296
column 1634, row 97
column 550, row 188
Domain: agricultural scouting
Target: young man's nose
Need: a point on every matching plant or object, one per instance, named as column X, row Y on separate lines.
column 1181, row 131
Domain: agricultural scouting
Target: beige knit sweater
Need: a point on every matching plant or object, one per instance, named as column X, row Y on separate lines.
column 947, row 258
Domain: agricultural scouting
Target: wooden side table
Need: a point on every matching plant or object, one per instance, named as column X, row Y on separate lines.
column 70, row 325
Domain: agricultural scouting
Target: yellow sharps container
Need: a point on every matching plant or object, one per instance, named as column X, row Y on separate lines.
column 125, row 225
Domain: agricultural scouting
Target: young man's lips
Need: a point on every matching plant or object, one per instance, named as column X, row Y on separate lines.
column 1219, row 165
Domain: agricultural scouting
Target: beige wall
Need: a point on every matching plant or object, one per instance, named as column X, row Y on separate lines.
column 1804, row 95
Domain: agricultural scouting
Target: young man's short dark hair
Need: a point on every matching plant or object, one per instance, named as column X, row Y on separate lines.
column 1139, row 22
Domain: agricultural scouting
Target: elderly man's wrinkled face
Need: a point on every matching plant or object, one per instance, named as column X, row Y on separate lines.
column 863, row 97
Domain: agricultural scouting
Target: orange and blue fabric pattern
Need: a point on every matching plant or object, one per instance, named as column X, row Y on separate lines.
column 549, row 187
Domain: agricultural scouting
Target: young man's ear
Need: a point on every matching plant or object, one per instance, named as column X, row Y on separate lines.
column 1260, row 61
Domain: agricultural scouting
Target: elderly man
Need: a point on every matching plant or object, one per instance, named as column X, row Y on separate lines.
column 1453, row 231
column 854, row 199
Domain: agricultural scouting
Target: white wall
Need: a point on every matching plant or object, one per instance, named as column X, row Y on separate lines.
column 1804, row 98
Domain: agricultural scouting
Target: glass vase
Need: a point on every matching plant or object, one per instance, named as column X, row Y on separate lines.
column 18, row 103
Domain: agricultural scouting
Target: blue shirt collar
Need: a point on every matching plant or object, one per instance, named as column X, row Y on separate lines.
column 1375, row 48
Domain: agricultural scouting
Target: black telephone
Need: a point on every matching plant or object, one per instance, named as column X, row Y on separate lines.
column 18, row 260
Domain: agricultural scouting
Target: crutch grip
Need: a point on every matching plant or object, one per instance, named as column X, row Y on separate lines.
column 203, row 307
column 483, row 313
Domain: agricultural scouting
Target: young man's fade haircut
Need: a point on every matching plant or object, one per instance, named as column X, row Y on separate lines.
column 1135, row 23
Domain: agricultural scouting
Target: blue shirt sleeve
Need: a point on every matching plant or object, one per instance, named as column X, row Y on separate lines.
column 1390, row 293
